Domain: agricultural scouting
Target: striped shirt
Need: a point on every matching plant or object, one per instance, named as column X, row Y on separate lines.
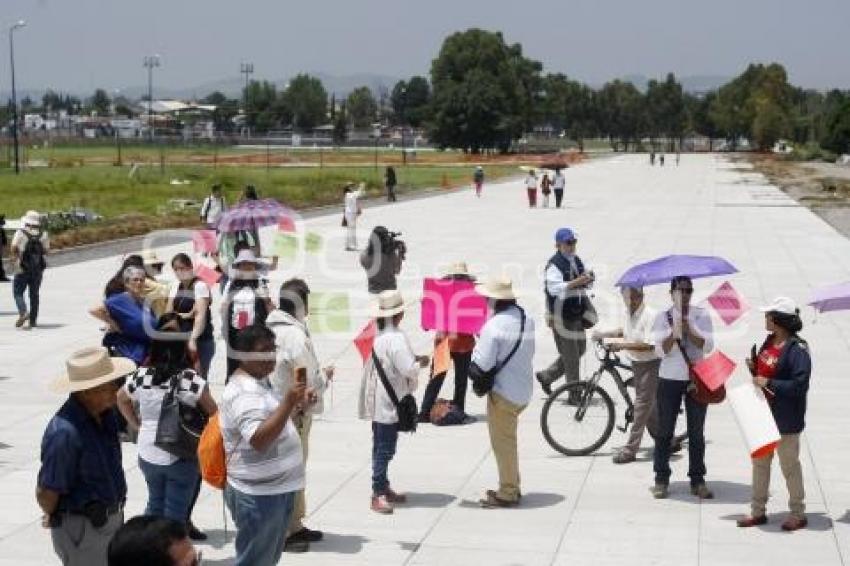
column 245, row 405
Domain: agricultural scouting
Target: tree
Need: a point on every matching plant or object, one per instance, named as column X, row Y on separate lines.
column 216, row 98
column 306, row 101
column 621, row 113
column 837, row 128
column 340, row 132
column 665, row 109
column 261, row 108
column 770, row 123
column 410, row 100
column 362, row 107
column 100, row 102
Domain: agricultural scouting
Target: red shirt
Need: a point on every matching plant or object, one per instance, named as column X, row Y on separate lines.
column 768, row 360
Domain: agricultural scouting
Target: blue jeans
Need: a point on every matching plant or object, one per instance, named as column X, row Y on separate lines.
column 668, row 402
column 20, row 283
column 384, row 441
column 206, row 352
column 170, row 488
column 261, row 522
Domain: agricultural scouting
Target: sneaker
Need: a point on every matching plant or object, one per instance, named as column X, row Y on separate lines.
column 751, row 521
column 305, row 535
column 792, row 524
column 21, row 320
column 701, row 490
column 195, row 533
column 381, row 505
column 545, row 384
column 394, row 497
column 624, row 457
column 659, row 490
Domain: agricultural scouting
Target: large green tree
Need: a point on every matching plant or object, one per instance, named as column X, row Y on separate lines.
column 100, row 102
column 621, row 113
column 836, row 136
column 262, row 108
column 410, row 101
column 305, row 102
column 362, row 107
column 665, row 109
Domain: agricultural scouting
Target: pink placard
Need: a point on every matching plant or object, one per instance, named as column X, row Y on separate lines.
column 452, row 306
column 204, row 241
column 714, row 370
column 207, row 274
column 729, row 305
column 286, row 224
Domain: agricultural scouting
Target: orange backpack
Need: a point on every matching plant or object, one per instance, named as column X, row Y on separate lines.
column 211, row 457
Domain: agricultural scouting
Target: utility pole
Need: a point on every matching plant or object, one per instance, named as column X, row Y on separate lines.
column 18, row 25
column 150, row 62
column 246, row 69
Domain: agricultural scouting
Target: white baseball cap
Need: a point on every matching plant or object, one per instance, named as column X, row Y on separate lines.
column 783, row 305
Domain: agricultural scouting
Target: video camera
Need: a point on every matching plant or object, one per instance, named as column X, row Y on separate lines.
column 395, row 244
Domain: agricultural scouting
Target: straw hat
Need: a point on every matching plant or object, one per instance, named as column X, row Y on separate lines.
column 499, row 288
column 245, row 256
column 90, row 367
column 390, row 303
column 31, row 218
column 458, row 268
column 149, row 258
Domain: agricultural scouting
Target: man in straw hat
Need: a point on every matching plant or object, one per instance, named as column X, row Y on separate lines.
column 155, row 292
column 29, row 246
column 81, row 486
column 508, row 331
column 392, row 350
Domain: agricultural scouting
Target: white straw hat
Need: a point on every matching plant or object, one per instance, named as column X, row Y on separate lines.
column 458, row 268
column 390, row 303
column 90, row 367
column 499, row 288
column 31, row 218
column 245, row 256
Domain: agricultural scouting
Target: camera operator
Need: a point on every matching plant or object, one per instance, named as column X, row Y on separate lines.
column 382, row 259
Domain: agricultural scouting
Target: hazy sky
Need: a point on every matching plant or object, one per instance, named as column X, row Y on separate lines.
column 82, row 44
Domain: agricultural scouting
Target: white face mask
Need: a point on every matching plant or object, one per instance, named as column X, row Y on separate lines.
column 184, row 275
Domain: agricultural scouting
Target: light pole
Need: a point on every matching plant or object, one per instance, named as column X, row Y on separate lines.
column 18, row 25
column 246, row 69
column 403, row 104
column 150, row 61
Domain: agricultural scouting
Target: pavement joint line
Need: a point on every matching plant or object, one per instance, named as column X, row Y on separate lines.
column 823, row 498
column 341, row 486
column 572, row 511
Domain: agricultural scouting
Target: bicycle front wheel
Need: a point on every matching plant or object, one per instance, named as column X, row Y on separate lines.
column 577, row 419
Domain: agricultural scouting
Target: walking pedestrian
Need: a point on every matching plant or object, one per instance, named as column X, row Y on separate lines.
column 661, row 160
column 129, row 320
column 507, row 341
column 351, row 211
column 782, row 368
column 681, row 328
column 81, row 487
column 531, row 188
column 567, row 310
column 546, row 189
column 652, row 157
column 390, row 183
column 171, row 480
column 29, row 248
column 296, row 352
column 265, row 466
column 559, row 184
column 4, row 241
column 678, row 157
column 478, row 180
column 213, row 208
column 392, row 356
column 152, row 541
column 191, row 298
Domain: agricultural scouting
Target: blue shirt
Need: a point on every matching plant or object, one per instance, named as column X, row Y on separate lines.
column 135, row 319
column 81, row 460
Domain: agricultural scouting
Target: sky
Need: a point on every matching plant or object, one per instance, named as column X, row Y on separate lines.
column 79, row 45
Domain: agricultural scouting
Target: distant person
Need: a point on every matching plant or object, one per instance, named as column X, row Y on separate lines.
column 531, row 188
column 652, row 157
column 81, row 488
column 213, row 207
column 351, row 211
column 249, row 193
column 4, row 241
column 29, row 249
column 478, row 180
column 152, row 541
column 546, row 189
column 661, row 160
column 678, row 157
column 559, row 184
column 129, row 320
column 390, row 182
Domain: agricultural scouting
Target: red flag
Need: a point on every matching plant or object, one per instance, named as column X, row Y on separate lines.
column 364, row 341
column 207, row 274
column 714, row 370
column 728, row 304
column 286, row 224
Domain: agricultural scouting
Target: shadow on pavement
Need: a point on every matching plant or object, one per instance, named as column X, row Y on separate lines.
column 817, row 522
column 49, row 326
column 534, row 500
column 428, row 500
column 338, row 544
column 724, row 492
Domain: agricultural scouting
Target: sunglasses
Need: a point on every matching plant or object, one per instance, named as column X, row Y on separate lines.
column 685, row 291
column 570, row 242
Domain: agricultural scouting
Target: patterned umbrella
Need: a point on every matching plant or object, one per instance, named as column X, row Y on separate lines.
column 253, row 214
column 664, row 269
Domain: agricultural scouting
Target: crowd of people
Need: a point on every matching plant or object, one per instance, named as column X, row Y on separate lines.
column 159, row 345
column 546, row 186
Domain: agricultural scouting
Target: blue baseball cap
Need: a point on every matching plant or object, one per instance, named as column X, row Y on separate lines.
column 564, row 235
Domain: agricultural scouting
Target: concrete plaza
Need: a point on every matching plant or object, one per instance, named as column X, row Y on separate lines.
column 584, row 511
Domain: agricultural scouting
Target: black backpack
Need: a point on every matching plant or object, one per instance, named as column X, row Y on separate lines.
column 32, row 260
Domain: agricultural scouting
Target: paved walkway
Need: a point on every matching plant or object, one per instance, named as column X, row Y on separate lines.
column 575, row 510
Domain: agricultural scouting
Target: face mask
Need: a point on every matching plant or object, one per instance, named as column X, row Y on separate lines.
column 184, row 275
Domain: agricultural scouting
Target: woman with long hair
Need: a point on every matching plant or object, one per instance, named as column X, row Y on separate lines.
column 190, row 298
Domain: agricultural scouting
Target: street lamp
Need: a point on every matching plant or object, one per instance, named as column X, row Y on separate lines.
column 246, row 69
column 403, row 104
column 150, row 62
column 18, row 25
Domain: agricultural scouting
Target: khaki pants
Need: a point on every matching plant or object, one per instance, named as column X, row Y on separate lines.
column 303, row 423
column 645, row 415
column 79, row 543
column 502, row 417
column 571, row 342
column 789, row 462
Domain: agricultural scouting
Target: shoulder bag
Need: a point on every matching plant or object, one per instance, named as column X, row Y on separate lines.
column 697, row 389
column 405, row 408
column 483, row 381
column 180, row 426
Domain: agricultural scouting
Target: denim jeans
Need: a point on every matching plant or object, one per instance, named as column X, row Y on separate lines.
column 384, row 441
column 206, row 352
column 22, row 282
column 261, row 522
column 668, row 402
column 461, row 363
column 170, row 488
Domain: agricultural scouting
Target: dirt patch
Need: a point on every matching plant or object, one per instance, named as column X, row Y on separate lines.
column 118, row 228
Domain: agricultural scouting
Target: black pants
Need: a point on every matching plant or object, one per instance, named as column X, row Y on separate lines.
column 32, row 282
column 461, row 363
column 559, row 196
column 668, row 402
column 391, row 193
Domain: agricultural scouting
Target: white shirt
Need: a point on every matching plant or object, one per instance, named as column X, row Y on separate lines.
column 351, row 204
column 531, row 182
column 141, row 389
column 555, row 284
column 199, row 291
column 19, row 244
column 498, row 337
column 295, row 349
column 638, row 328
column 673, row 365
column 560, row 181
column 216, row 209
column 245, row 405
column 399, row 362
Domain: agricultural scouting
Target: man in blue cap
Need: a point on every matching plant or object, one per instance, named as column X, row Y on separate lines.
column 568, row 310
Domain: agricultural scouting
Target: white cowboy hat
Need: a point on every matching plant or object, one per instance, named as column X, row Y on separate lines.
column 389, row 303
column 31, row 218
column 458, row 268
column 89, row 368
column 499, row 288
column 245, row 256
column 149, row 258
column 782, row 305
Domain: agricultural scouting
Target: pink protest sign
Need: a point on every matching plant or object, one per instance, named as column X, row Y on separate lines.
column 207, row 274
column 714, row 370
column 204, row 241
column 452, row 306
column 286, row 224
column 730, row 306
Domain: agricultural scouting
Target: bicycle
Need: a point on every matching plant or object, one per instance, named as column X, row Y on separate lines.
column 589, row 407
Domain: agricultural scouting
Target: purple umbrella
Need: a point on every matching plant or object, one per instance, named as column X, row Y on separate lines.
column 253, row 214
column 664, row 269
column 831, row 298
